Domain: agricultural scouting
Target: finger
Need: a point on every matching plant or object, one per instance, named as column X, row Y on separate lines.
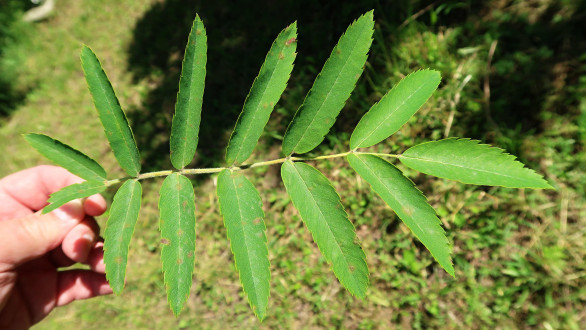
column 58, row 258
column 96, row 258
column 35, row 235
column 80, row 284
column 32, row 187
column 79, row 241
column 95, row 205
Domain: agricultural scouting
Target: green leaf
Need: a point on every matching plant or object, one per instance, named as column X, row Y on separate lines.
column 331, row 88
column 177, row 207
column 321, row 209
column 264, row 94
column 65, row 156
column 241, row 207
column 74, row 191
column 111, row 115
column 407, row 202
column 185, row 128
column 119, row 229
column 469, row 162
column 395, row 108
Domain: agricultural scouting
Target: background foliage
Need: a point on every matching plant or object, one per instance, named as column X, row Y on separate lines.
column 514, row 75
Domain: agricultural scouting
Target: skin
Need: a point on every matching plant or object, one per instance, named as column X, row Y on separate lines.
column 34, row 246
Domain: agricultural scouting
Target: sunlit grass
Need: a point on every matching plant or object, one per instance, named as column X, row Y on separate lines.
column 518, row 254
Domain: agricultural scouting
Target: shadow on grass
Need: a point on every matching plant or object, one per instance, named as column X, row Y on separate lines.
column 239, row 35
column 532, row 69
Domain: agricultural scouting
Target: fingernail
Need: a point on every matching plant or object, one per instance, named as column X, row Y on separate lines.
column 89, row 237
column 70, row 212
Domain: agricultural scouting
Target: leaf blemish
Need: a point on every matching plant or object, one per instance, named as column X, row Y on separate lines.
column 180, row 232
column 290, row 41
column 256, row 221
column 118, row 260
column 179, row 261
column 408, row 210
column 165, row 241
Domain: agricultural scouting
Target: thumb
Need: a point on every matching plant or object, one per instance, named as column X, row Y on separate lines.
column 33, row 236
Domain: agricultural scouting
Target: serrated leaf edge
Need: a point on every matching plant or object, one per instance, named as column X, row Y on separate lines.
column 196, row 21
column 357, row 145
column 254, row 309
column 356, row 240
column 502, row 153
column 293, row 26
column 106, row 240
column 450, row 271
column 316, row 79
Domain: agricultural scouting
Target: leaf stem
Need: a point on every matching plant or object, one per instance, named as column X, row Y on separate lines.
column 196, row 171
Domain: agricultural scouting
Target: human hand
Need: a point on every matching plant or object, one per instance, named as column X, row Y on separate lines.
column 33, row 246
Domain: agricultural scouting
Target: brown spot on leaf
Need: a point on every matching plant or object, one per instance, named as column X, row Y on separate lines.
column 198, row 32
column 281, row 56
column 165, row 241
column 178, row 187
column 179, row 232
column 179, row 261
column 290, row 41
column 184, row 204
column 190, row 254
column 257, row 221
column 351, row 268
column 118, row 260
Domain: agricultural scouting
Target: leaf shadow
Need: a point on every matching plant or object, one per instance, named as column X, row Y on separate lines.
column 239, row 35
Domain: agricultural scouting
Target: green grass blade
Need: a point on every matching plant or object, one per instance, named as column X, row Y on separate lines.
column 395, row 108
column 74, row 191
column 241, row 208
column 185, row 127
column 119, row 230
column 177, row 207
column 65, row 156
column 321, row 209
column 469, row 162
column 111, row 115
column 407, row 202
column 264, row 94
column 331, row 88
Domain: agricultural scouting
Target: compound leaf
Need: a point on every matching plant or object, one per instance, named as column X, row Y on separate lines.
column 119, row 229
column 177, row 225
column 241, row 207
column 331, row 88
column 264, row 94
column 407, row 202
column 111, row 115
column 395, row 108
column 185, row 127
column 469, row 162
column 321, row 209
column 65, row 156
column 74, row 191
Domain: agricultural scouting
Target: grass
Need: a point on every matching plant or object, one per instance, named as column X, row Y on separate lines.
column 519, row 254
